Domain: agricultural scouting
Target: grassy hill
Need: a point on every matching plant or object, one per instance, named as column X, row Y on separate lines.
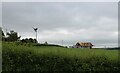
column 58, row 59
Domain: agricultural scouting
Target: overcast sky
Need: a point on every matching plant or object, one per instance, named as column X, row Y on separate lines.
column 59, row 0
column 94, row 22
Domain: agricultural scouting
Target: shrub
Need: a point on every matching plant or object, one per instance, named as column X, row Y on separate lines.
column 44, row 59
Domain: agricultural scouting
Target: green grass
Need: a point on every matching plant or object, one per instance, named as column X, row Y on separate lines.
column 58, row 59
column 0, row 56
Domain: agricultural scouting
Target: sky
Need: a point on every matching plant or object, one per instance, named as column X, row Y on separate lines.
column 59, row 0
column 72, row 22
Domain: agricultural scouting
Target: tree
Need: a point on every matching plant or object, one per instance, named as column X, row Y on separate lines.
column 46, row 43
column 2, row 36
column 30, row 40
column 35, row 41
column 12, row 36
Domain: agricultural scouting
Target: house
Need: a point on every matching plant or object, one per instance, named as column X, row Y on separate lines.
column 83, row 45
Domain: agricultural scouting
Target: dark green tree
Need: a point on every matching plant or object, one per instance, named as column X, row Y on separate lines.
column 46, row 43
column 29, row 40
column 2, row 36
column 12, row 36
column 35, row 41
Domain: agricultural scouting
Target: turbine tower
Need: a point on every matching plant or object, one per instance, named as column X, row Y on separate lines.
column 35, row 29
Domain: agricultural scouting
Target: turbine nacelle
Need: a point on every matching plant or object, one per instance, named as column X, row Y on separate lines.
column 35, row 29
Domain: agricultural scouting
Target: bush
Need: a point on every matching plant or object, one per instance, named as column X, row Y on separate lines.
column 48, row 45
column 24, row 58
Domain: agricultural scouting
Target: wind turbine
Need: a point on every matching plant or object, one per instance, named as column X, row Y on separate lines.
column 35, row 29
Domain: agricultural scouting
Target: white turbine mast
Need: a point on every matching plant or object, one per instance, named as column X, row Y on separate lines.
column 35, row 29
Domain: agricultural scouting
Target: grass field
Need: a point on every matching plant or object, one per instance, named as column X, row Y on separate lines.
column 58, row 59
